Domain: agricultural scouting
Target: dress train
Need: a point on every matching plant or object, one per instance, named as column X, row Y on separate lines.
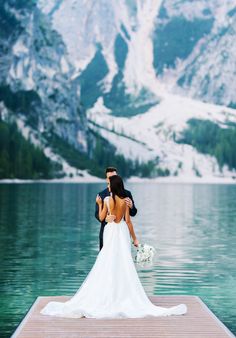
column 112, row 288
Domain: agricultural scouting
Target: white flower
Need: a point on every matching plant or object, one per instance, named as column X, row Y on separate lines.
column 144, row 253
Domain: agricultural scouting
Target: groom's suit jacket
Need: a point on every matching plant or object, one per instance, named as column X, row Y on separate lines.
column 104, row 194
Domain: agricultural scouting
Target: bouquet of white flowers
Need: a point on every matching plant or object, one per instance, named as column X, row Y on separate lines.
column 144, row 253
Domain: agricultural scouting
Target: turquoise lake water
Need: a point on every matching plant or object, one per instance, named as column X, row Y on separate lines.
column 49, row 240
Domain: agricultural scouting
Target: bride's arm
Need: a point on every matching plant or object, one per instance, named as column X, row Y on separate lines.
column 130, row 225
column 102, row 210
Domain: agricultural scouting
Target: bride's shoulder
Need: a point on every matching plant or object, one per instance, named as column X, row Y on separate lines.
column 108, row 199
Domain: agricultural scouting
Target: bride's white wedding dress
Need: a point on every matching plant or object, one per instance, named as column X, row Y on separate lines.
column 112, row 288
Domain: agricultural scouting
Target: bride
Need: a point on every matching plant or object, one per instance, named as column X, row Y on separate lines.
column 112, row 288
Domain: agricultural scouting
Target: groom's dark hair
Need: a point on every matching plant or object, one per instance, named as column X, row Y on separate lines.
column 110, row 169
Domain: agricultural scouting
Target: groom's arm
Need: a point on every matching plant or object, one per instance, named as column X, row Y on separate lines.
column 133, row 210
column 97, row 210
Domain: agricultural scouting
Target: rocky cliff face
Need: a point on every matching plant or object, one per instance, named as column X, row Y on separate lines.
column 194, row 49
column 35, row 75
column 187, row 45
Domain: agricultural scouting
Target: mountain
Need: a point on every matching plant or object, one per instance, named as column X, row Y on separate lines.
column 194, row 51
column 181, row 39
column 35, row 74
column 36, row 88
column 128, row 82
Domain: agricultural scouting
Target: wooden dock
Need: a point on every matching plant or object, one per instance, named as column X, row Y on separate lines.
column 199, row 322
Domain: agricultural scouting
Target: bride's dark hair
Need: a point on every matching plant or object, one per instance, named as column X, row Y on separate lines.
column 117, row 187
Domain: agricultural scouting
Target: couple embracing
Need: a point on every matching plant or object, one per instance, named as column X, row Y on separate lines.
column 117, row 183
column 112, row 288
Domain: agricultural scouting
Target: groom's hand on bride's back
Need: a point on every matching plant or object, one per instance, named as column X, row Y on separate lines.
column 129, row 202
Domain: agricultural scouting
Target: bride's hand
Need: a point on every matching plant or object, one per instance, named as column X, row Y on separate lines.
column 136, row 242
column 98, row 200
column 110, row 218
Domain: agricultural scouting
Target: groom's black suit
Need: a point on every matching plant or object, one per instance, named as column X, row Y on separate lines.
column 104, row 194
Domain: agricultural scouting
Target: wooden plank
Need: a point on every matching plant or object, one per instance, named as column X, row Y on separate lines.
column 198, row 322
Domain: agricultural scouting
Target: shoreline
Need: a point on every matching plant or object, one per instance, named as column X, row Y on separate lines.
column 157, row 180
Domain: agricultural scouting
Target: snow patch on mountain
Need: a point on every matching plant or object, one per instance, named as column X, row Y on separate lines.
column 152, row 135
column 139, row 70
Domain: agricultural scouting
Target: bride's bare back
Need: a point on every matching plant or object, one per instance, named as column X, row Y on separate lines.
column 118, row 209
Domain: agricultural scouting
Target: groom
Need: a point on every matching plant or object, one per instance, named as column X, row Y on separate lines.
column 110, row 171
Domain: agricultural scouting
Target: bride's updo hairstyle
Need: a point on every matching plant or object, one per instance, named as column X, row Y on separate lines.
column 117, row 187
